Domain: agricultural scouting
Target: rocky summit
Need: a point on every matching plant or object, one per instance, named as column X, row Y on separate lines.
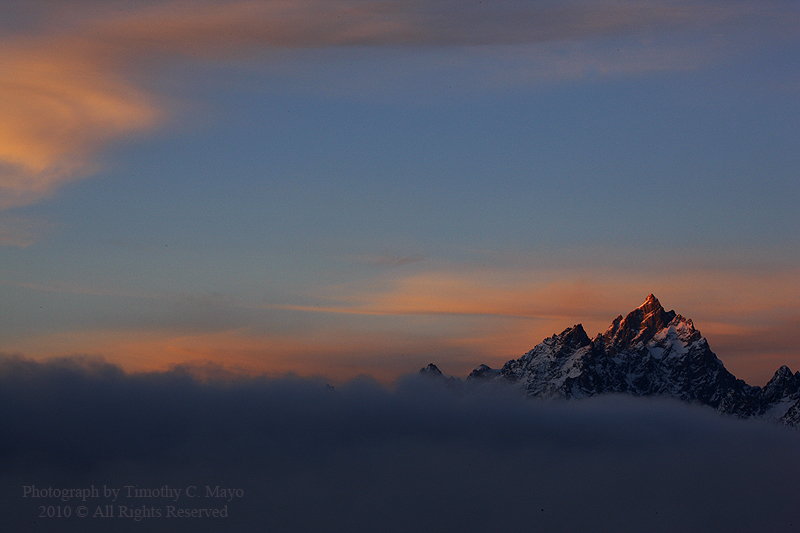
column 648, row 352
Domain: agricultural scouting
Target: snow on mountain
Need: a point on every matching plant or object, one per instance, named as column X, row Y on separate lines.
column 650, row 351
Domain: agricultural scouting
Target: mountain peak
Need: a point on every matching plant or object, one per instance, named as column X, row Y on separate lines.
column 648, row 352
column 782, row 384
column 650, row 304
column 575, row 336
column 638, row 326
column 430, row 370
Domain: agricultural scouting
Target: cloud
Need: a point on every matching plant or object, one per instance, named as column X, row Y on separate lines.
column 338, row 353
column 415, row 457
column 60, row 106
column 500, row 314
column 394, row 319
column 68, row 73
column 400, row 318
column 445, row 292
column 67, row 85
column 213, row 26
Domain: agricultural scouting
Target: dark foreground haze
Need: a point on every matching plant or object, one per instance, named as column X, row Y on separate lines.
column 294, row 455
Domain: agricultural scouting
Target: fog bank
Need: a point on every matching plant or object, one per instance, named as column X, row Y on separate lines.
column 300, row 456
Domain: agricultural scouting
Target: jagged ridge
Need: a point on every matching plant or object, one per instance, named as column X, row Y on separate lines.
column 650, row 351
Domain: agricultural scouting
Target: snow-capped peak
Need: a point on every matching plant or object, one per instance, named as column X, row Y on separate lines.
column 650, row 351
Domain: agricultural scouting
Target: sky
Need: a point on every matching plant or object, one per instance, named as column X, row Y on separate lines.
column 343, row 188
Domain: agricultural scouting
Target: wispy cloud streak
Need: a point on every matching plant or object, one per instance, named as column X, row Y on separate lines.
column 66, row 86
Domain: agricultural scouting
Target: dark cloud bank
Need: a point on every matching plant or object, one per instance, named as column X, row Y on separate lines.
column 364, row 458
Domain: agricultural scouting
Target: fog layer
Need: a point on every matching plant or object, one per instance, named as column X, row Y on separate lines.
column 297, row 455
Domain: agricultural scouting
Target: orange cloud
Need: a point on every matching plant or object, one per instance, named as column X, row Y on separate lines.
column 455, row 293
column 66, row 89
column 336, row 355
column 66, row 85
column 59, row 108
column 502, row 314
column 458, row 319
